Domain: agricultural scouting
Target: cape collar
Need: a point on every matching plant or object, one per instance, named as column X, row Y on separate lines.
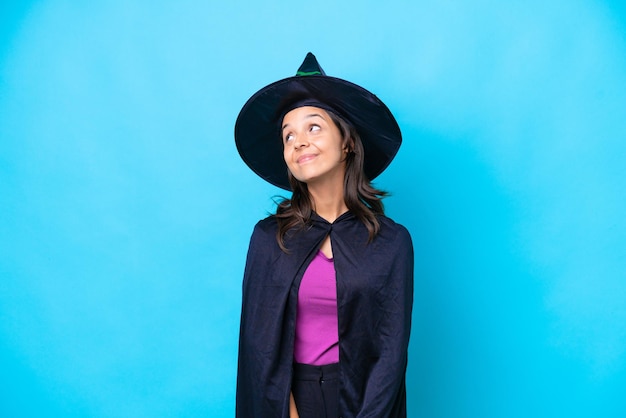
column 342, row 218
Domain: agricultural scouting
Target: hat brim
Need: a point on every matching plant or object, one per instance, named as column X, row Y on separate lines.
column 257, row 129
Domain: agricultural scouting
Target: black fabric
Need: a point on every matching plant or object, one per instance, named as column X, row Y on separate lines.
column 374, row 302
column 316, row 390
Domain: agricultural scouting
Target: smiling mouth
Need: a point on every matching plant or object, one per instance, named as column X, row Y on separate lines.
column 305, row 158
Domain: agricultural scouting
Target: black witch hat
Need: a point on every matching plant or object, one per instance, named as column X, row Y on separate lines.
column 258, row 131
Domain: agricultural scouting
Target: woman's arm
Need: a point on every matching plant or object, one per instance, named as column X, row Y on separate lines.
column 293, row 412
column 385, row 389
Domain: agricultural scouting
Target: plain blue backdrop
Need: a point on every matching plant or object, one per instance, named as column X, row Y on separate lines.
column 125, row 211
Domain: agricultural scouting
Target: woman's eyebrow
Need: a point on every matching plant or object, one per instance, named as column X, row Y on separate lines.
column 306, row 117
column 310, row 115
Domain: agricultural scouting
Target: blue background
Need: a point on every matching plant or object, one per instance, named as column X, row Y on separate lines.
column 125, row 211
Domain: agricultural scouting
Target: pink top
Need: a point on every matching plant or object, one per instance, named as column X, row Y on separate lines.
column 317, row 336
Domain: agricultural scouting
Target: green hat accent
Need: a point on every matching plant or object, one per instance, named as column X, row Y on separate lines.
column 258, row 131
column 310, row 66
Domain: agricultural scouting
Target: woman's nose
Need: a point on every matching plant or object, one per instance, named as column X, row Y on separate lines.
column 300, row 141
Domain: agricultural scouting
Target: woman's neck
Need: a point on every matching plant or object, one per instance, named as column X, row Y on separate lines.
column 328, row 202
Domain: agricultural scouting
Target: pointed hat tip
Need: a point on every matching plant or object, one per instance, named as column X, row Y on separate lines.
column 310, row 66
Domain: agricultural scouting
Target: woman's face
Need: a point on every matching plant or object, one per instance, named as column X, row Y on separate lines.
column 313, row 147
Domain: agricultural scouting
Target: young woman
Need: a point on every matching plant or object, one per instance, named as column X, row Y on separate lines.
column 328, row 283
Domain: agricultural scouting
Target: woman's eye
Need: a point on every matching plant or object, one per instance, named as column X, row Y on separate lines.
column 314, row 128
column 288, row 137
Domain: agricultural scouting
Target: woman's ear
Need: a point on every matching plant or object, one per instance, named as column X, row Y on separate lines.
column 348, row 145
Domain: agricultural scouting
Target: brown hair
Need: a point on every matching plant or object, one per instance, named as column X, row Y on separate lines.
column 361, row 198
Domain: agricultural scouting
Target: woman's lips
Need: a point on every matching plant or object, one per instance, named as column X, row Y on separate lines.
column 305, row 158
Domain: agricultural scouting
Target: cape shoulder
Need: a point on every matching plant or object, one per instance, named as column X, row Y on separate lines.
column 264, row 234
column 263, row 240
column 265, row 230
column 396, row 228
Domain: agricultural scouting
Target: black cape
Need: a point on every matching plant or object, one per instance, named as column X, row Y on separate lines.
column 374, row 303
